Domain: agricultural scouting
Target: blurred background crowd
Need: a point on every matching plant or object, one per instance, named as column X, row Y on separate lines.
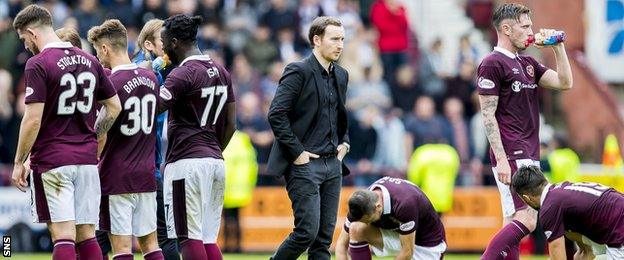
column 410, row 84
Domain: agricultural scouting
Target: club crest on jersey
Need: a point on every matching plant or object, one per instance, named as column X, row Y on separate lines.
column 530, row 71
column 165, row 94
column 486, row 83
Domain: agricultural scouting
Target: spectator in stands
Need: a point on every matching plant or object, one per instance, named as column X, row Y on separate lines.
column 260, row 50
column 405, row 91
column 467, row 52
column 360, row 53
column 210, row 10
column 462, row 87
column 431, row 72
column 454, row 113
column 254, row 123
column 279, row 16
column 152, row 9
column 426, row 126
column 88, row 14
column 369, row 91
column 286, row 45
column 8, row 44
column 394, row 145
column 307, row 11
column 244, row 77
column 363, row 139
column 390, row 19
column 210, row 38
column 269, row 83
column 6, row 115
column 239, row 21
column 59, row 10
column 122, row 10
column 348, row 14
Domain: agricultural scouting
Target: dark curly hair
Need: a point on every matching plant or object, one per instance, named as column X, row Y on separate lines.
column 183, row 27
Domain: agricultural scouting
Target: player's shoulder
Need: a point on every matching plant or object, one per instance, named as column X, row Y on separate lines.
column 494, row 59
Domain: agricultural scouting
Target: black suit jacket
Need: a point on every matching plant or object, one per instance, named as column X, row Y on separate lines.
column 294, row 110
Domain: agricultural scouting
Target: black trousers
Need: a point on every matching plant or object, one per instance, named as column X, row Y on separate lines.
column 169, row 246
column 314, row 191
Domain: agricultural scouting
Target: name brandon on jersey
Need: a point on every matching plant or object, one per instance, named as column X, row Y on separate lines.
column 77, row 59
column 138, row 81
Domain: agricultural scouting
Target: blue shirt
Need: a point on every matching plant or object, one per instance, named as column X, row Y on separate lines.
column 160, row 119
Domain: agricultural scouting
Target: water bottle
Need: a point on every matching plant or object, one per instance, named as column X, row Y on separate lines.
column 540, row 39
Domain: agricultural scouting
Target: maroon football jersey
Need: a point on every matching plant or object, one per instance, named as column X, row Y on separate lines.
column 195, row 93
column 407, row 209
column 590, row 209
column 514, row 79
column 127, row 161
column 69, row 81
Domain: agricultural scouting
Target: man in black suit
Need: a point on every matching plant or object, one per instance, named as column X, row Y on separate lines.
column 309, row 120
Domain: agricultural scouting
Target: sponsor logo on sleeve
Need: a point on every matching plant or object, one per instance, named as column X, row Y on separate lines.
column 165, row 94
column 548, row 234
column 407, row 226
column 486, row 83
column 29, row 91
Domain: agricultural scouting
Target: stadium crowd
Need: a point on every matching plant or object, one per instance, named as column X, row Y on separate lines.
column 399, row 96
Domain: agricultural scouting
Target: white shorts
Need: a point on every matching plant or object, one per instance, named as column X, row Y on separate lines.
column 193, row 193
column 392, row 247
column 131, row 214
column 66, row 193
column 603, row 251
column 510, row 202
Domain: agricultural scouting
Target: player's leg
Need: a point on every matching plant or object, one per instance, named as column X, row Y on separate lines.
column 53, row 196
column 104, row 242
column 87, row 189
column 329, row 192
column 212, row 192
column 144, row 225
column 117, row 220
column 184, row 204
column 362, row 235
column 169, row 246
column 519, row 220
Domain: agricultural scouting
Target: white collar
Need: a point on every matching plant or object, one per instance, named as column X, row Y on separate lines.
column 129, row 66
column 506, row 52
column 544, row 192
column 62, row 45
column 387, row 208
column 204, row 57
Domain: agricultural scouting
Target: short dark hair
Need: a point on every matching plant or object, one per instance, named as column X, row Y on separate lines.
column 528, row 180
column 32, row 15
column 69, row 35
column 361, row 203
column 319, row 25
column 111, row 30
column 509, row 11
column 183, row 27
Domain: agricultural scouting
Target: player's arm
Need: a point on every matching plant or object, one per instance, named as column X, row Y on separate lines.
column 585, row 251
column 29, row 129
column 109, row 112
column 562, row 78
column 407, row 246
column 556, row 249
column 230, row 125
column 488, row 104
column 342, row 245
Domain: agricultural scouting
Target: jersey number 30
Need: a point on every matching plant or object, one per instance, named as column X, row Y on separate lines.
column 67, row 107
column 141, row 115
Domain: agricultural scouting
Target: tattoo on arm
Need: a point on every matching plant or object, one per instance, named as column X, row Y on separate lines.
column 104, row 122
column 488, row 110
